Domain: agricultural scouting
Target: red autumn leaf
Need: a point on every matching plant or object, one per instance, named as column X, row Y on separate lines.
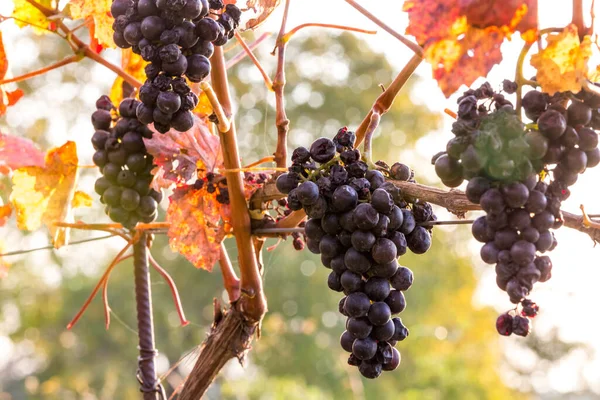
column 17, row 152
column 180, row 154
column 7, row 99
column 196, row 228
column 462, row 39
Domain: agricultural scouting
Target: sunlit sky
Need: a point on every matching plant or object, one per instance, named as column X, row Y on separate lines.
column 571, row 293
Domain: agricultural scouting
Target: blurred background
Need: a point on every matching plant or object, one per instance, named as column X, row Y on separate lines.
column 453, row 351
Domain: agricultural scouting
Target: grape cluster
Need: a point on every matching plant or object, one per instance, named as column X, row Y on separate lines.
column 177, row 38
column 124, row 162
column 359, row 224
column 506, row 162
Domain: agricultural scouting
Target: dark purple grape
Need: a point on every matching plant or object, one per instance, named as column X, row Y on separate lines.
column 401, row 332
column 351, row 281
column 384, row 270
column 492, row 201
column 357, row 304
column 521, row 326
column 356, row 261
column 402, row 279
column 152, row 27
column 363, row 240
column 394, row 362
column 544, row 265
column 408, row 223
column 337, row 264
column 198, row 67
column 375, row 178
column 344, row 198
column 308, row 193
column 552, row 124
column 504, row 323
column 579, row 113
column 401, row 172
column 379, row 313
column 519, row 219
column 330, row 246
column 480, row 230
column 419, row 240
column 383, row 332
column 384, row 251
column 364, row 349
column 522, row 252
column 476, row 187
column 576, row 160
column 515, row 194
column 543, row 221
column 534, row 103
column 516, row 291
column 133, row 33
column 382, row 201
column 489, row 253
column 365, row 216
column 377, row 288
column 400, row 241
column 448, row 169
column 505, row 238
column 360, row 328
column 316, row 210
column 588, row 139
column 531, row 235
column 593, row 158
column 120, row 7
column 322, row 150
column 346, row 341
column 396, row 301
column 570, row 138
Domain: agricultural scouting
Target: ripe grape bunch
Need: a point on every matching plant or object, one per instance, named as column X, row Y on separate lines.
column 177, row 38
column 359, row 224
column 124, row 162
column 502, row 158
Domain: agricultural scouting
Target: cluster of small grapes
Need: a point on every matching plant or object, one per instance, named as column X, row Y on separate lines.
column 214, row 183
column 177, row 37
column 501, row 160
column 360, row 225
column 124, row 162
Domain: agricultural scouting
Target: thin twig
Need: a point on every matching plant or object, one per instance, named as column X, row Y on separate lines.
column 51, row 247
column 252, row 46
column 107, row 309
column 263, row 160
column 98, row 285
column 373, row 124
column 224, row 122
column 289, row 35
column 281, row 120
column 386, row 99
column 173, row 287
column 418, row 50
column 257, row 63
column 20, row 78
column 230, row 280
column 115, row 229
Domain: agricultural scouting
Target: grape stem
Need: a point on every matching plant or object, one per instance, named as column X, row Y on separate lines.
column 281, row 120
column 223, row 120
column 241, row 55
column 373, row 124
column 257, row 63
column 291, row 33
column 50, row 247
column 174, row 292
column 230, row 280
column 418, row 50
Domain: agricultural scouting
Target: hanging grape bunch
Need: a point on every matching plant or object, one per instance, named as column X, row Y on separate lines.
column 360, row 225
column 125, row 164
column 177, row 38
column 506, row 163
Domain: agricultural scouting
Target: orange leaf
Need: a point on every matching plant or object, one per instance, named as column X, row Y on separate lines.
column 25, row 14
column 134, row 65
column 462, row 39
column 5, row 212
column 181, row 154
column 17, row 152
column 45, row 194
column 99, row 11
column 195, row 227
column 562, row 64
column 6, row 98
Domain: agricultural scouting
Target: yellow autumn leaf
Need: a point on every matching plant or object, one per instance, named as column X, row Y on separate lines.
column 99, row 10
column 134, row 65
column 81, row 199
column 562, row 65
column 46, row 194
column 24, row 14
column 204, row 107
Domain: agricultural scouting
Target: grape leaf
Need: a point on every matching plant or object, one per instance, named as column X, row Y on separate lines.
column 255, row 11
column 134, row 65
column 24, row 14
column 99, row 12
column 196, row 229
column 461, row 39
column 5, row 212
column 47, row 194
column 6, row 98
column 562, row 64
column 17, row 152
column 179, row 155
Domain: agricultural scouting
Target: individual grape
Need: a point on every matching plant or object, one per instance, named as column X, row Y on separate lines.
column 330, row 246
column 112, row 196
column 402, row 279
column 400, row 332
column 504, row 323
column 576, row 160
column 308, row 193
column 384, row 270
column 523, row 252
column 322, row 150
column 360, row 328
column 408, row 223
column 364, row 349
column 543, row 221
column 101, row 185
column 313, row 229
column 400, row 242
column 544, row 265
column 505, row 238
column 593, row 158
column 419, row 240
column 370, row 369
column 515, row 194
column 393, row 363
column 489, row 253
column 396, row 301
column 383, row 332
column 362, row 240
column 534, row 103
column 588, row 139
column 531, row 235
column 351, row 281
column 530, row 309
column 357, row 305
column 365, row 216
column 492, row 201
column 579, row 114
column 356, row 261
column 382, row 201
column 521, row 326
column 379, row 313
column 126, row 178
column 198, row 67
column 377, row 289
column 130, row 199
column 334, row 283
column 476, row 187
column 346, row 341
column 552, row 124
column 480, row 230
column 536, row 203
column 519, row 219
column 344, row 198
column 375, row 178
column 448, row 168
